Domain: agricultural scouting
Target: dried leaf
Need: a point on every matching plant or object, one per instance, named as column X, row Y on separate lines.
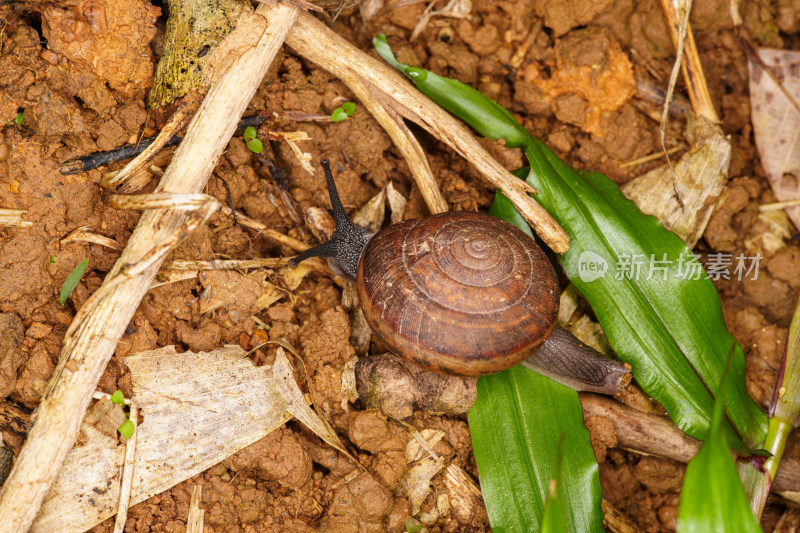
column 397, row 203
column 371, row 214
column 416, row 484
column 776, row 121
column 682, row 196
column 297, row 405
column 198, row 409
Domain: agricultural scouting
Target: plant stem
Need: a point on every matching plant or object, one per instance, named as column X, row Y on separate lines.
column 777, row 435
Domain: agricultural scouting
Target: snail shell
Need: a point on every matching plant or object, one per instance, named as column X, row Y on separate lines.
column 458, row 293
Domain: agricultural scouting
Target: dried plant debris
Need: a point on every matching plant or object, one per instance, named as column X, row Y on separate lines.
column 12, row 218
column 774, row 90
column 396, row 387
column 194, row 28
column 683, row 195
column 197, row 408
column 297, row 405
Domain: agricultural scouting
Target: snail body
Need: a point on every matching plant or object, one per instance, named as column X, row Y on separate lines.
column 459, row 293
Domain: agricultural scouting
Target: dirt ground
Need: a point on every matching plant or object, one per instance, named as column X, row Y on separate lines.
column 81, row 74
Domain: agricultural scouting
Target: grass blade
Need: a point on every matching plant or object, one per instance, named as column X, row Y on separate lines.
column 72, row 281
column 712, row 497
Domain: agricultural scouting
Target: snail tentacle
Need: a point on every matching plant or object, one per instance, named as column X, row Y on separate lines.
column 347, row 242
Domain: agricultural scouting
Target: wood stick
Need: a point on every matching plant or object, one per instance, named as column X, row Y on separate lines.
column 655, row 435
column 404, row 140
column 318, row 43
column 92, row 336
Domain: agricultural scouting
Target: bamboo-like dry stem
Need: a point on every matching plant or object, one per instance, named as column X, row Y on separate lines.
column 318, row 43
column 93, row 335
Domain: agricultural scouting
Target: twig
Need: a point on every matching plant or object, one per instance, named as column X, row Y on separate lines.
column 194, row 521
column 651, row 434
column 92, row 337
column 404, row 140
column 12, row 218
column 98, row 159
column 314, row 41
column 127, row 472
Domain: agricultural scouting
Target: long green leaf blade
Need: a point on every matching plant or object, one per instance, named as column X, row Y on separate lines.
column 516, row 424
column 712, row 497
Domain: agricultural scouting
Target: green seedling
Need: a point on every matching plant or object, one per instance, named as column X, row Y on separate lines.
column 252, row 141
column 126, row 429
column 341, row 113
column 72, row 281
column 118, row 398
column 18, row 119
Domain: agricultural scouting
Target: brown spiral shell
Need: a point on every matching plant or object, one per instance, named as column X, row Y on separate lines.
column 458, row 293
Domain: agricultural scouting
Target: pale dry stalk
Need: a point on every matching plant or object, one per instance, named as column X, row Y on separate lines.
column 692, row 69
column 92, row 337
column 318, row 43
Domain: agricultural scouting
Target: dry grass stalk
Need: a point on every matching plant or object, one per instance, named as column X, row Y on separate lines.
column 318, row 43
column 82, row 234
column 12, row 218
column 93, row 335
column 194, row 521
column 691, row 67
column 404, row 140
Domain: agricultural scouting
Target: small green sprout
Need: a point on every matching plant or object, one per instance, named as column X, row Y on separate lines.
column 72, row 281
column 126, row 429
column 253, row 143
column 413, row 525
column 340, row 113
column 18, row 119
column 118, row 398
column 53, row 260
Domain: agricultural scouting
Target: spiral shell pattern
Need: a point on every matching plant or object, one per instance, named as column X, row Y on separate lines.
column 458, row 293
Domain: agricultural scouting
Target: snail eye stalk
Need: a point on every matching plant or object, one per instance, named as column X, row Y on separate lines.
column 347, row 242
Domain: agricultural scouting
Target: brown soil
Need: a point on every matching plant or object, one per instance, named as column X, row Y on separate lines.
column 81, row 76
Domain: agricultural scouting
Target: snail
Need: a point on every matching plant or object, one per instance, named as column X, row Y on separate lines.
column 461, row 293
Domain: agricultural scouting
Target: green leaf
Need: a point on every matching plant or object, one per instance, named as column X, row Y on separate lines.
column 712, row 497
column 249, row 133
column 338, row 115
column 669, row 328
column 126, row 429
column 118, row 398
column 255, row 145
column 516, row 424
column 72, row 281
column 349, row 108
column 554, row 519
